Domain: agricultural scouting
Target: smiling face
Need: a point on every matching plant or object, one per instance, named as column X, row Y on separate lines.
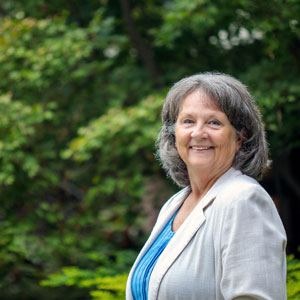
column 205, row 139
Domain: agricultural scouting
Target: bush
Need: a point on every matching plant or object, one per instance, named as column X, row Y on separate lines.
column 105, row 282
column 293, row 278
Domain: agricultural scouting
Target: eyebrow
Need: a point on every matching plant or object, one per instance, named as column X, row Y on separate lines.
column 185, row 114
column 188, row 114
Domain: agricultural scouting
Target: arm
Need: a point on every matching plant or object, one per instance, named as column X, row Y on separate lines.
column 253, row 249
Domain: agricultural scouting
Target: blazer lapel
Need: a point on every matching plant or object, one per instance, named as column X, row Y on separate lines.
column 172, row 205
column 177, row 244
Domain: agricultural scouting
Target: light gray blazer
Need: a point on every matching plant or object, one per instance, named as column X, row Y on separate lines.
column 232, row 246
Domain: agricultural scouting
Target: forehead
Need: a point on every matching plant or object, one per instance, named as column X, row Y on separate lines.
column 198, row 100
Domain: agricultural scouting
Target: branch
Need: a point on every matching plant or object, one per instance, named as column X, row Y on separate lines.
column 71, row 189
column 72, row 9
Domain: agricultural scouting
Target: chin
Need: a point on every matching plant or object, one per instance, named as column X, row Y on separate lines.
column 201, row 165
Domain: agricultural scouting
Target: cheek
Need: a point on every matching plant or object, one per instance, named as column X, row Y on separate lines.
column 229, row 142
column 181, row 136
column 235, row 144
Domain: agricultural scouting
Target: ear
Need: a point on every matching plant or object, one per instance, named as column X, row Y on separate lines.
column 240, row 137
column 239, row 142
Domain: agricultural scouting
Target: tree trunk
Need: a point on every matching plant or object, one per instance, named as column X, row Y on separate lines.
column 142, row 46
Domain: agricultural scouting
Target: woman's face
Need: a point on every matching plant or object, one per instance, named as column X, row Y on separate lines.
column 205, row 139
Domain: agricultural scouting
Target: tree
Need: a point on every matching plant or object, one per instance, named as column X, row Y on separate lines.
column 81, row 90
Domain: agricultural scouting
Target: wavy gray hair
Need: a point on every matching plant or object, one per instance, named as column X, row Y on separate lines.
column 235, row 101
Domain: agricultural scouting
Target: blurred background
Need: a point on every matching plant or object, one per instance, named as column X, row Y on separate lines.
column 81, row 88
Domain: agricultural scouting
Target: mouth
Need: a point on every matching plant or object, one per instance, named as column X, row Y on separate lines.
column 200, row 148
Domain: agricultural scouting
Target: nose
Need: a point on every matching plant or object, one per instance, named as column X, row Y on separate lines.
column 199, row 131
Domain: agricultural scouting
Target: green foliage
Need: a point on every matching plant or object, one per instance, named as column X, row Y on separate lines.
column 107, row 287
column 18, row 125
column 105, row 282
column 278, row 100
column 293, row 278
column 140, row 124
column 111, row 141
column 80, row 115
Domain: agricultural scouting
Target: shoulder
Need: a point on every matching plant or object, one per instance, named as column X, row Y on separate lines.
column 242, row 201
column 241, row 189
column 243, row 198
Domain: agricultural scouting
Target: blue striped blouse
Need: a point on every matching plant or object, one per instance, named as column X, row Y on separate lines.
column 142, row 273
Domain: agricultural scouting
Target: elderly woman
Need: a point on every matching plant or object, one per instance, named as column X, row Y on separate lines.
column 220, row 237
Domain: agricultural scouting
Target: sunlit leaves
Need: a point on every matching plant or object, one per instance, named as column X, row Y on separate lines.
column 293, row 278
column 103, row 282
column 18, row 125
column 123, row 131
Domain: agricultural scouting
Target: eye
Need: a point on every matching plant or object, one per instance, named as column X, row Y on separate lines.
column 214, row 123
column 188, row 121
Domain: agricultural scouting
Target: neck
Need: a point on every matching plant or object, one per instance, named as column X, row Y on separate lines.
column 201, row 182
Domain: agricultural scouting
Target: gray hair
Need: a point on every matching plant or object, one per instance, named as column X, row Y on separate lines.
column 233, row 98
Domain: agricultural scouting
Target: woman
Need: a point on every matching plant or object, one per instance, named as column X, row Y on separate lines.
column 221, row 236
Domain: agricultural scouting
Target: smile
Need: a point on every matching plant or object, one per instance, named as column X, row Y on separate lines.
column 200, row 148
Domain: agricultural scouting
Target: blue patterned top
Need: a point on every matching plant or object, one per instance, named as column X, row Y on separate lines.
column 141, row 275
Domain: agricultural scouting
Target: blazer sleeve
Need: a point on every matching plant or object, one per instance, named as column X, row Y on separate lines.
column 253, row 245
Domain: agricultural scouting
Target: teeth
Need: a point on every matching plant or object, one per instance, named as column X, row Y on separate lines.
column 200, row 148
